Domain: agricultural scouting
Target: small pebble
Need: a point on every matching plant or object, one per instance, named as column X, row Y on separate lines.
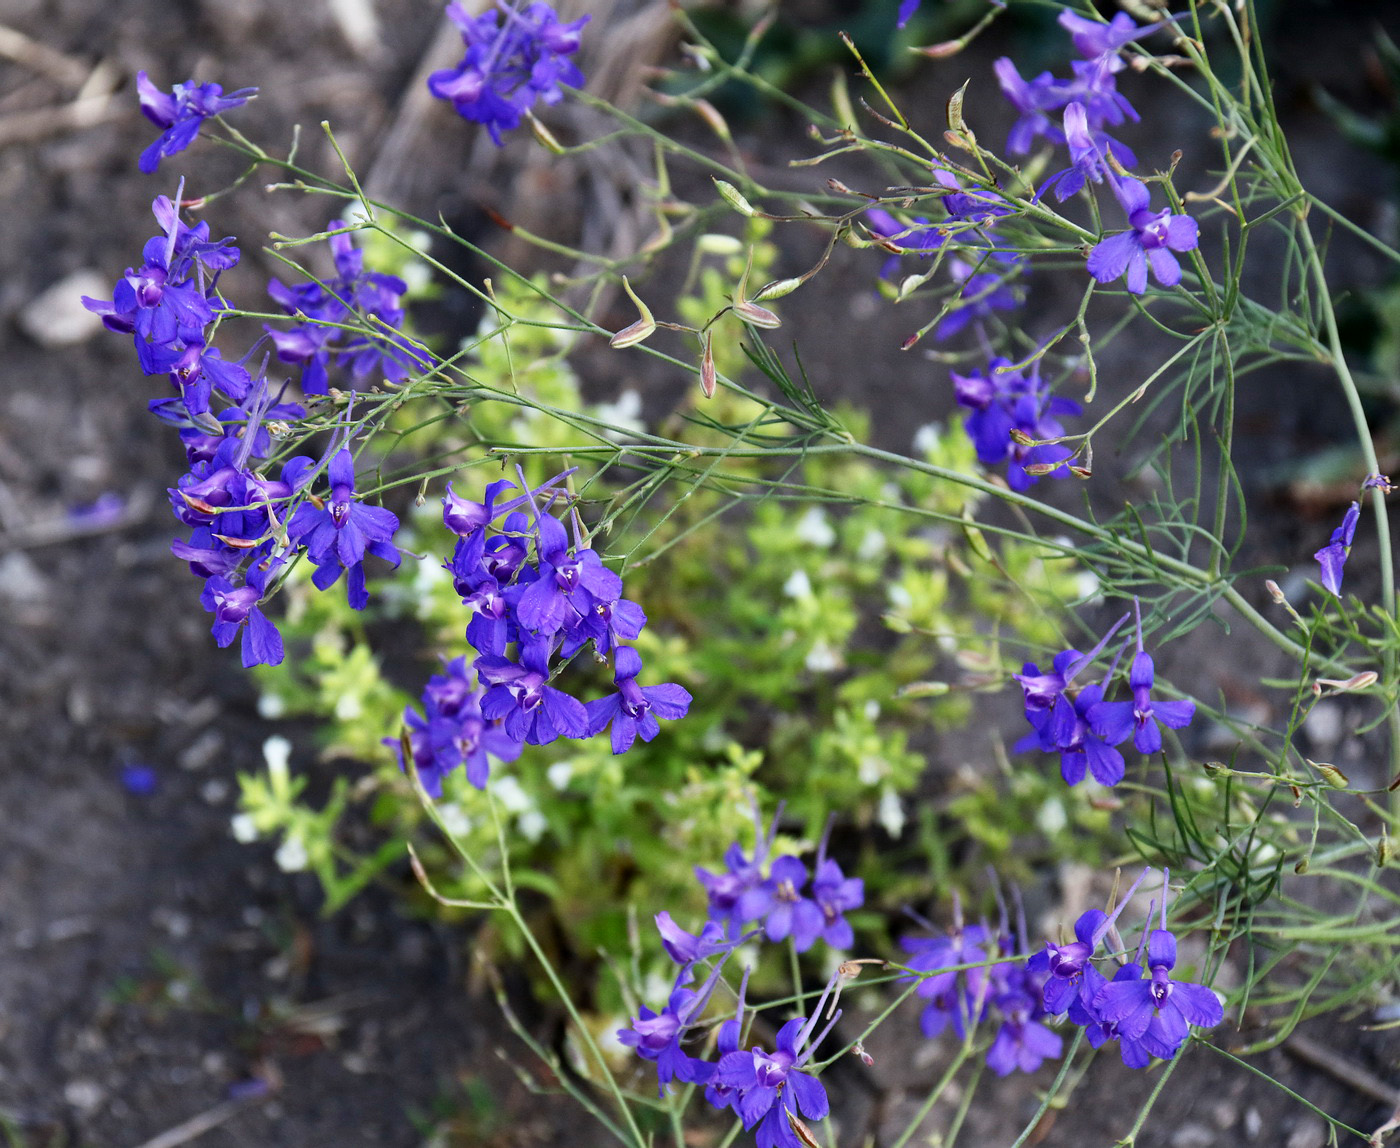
column 56, row 316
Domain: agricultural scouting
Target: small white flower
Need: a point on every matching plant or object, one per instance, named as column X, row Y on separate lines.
column 890, row 815
column 244, row 828
column 454, row 820
column 559, row 774
column 926, row 437
column 821, row 658
column 271, row 706
column 532, row 825
column 814, row 529
column 512, row 796
column 872, row 546
column 291, row 855
column 798, row 585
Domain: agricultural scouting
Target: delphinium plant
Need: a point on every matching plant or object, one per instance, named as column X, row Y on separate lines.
column 685, row 664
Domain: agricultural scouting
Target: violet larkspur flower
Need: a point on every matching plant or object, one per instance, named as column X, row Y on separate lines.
column 1114, row 721
column 1333, row 556
column 1022, row 1042
column 726, row 890
column 1158, row 1010
column 657, row 1036
column 337, row 534
column 513, row 58
column 180, row 113
column 1004, row 399
column 236, row 608
column 519, row 694
column 954, row 994
column 981, row 294
column 772, row 1085
column 779, row 903
column 1150, row 243
column 354, row 297
column 633, row 709
column 1086, row 158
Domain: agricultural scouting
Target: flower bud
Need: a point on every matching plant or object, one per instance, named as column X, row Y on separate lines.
column 707, row 365
column 638, row 331
column 1364, row 680
column 922, row 690
column 755, row 315
column 1383, row 849
column 1330, row 773
column 544, row 135
column 1275, row 592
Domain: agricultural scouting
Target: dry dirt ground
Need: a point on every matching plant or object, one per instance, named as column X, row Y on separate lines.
column 161, row 983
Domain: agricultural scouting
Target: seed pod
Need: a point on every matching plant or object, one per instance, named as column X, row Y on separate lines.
column 707, row 365
column 632, row 335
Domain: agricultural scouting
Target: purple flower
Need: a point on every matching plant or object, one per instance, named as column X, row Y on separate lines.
column 907, row 8
column 779, row 903
column 452, row 732
column 1094, row 38
column 519, row 694
column 772, row 1085
column 1153, row 238
column 1157, row 1010
column 954, row 994
column 726, row 890
column 1065, row 964
column 513, row 58
column 569, row 584
column 688, row 948
column 181, row 114
column 337, row 533
column 1022, row 1042
column 1034, row 99
column 1114, row 721
column 355, row 297
column 1003, row 400
column 236, row 608
column 835, row 894
column 981, row 295
column 1333, row 556
column 1086, row 157
column 633, row 709
column 657, row 1036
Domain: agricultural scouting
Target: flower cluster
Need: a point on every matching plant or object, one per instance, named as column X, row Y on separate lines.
column 1082, row 727
column 1140, row 1006
column 1090, row 104
column 513, row 59
column 965, row 985
column 1093, row 93
column 355, row 297
column 181, row 113
column 766, row 1090
column 1012, row 413
column 537, row 599
column 245, row 527
column 750, row 891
